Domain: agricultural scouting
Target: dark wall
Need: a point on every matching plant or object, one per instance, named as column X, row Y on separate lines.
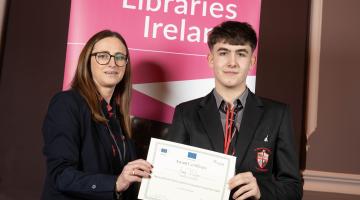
column 32, row 72
column 334, row 145
column 282, row 62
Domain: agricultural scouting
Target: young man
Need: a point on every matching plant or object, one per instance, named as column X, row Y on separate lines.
column 233, row 120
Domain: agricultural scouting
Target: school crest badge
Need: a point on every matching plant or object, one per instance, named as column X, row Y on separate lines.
column 262, row 158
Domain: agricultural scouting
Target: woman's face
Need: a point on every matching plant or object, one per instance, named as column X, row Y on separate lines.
column 108, row 62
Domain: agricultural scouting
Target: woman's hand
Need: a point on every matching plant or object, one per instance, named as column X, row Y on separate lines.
column 133, row 172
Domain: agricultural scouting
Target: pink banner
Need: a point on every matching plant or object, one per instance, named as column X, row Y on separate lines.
column 167, row 42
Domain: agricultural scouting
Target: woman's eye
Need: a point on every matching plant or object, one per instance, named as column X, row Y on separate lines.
column 120, row 57
column 102, row 56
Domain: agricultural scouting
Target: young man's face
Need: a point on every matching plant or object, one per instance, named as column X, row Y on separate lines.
column 231, row 64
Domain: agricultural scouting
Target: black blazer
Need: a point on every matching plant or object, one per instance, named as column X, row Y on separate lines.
column 265, row 144
column 78, row 152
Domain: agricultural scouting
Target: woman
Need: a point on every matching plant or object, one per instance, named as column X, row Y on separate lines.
column 89, row 154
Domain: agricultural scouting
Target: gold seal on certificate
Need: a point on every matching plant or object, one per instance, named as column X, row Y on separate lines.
column 186, row 172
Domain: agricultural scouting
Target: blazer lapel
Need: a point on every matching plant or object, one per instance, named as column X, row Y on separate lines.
column 210, row 119
column 251, row 117
column 104, row 140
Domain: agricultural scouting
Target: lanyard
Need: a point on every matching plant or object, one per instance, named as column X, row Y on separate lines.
column 228, row 130
column 121, row 156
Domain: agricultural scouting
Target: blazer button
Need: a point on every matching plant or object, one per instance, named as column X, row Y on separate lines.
column 93, row 187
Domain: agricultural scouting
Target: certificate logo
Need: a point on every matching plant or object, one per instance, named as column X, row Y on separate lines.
column 262, row 158
column 163, row 150
column 192, row 155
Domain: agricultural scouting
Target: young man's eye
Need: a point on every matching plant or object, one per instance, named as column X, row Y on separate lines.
column 222, row 53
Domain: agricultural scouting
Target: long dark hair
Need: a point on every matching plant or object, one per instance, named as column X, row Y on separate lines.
column 84, row 84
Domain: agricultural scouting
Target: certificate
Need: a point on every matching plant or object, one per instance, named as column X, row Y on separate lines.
column 187, row 173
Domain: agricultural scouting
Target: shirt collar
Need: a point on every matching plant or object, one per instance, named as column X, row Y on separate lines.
column 108, row 107
column 242, row 98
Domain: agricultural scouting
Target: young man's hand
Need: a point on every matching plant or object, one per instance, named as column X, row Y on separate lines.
column 247, row 186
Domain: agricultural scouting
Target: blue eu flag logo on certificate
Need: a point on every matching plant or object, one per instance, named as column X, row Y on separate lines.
column 192, row 155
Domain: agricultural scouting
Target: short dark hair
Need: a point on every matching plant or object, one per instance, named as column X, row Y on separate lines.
column 234, row 33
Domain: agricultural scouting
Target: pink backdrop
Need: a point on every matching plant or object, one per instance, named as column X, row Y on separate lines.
column 167, row 45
